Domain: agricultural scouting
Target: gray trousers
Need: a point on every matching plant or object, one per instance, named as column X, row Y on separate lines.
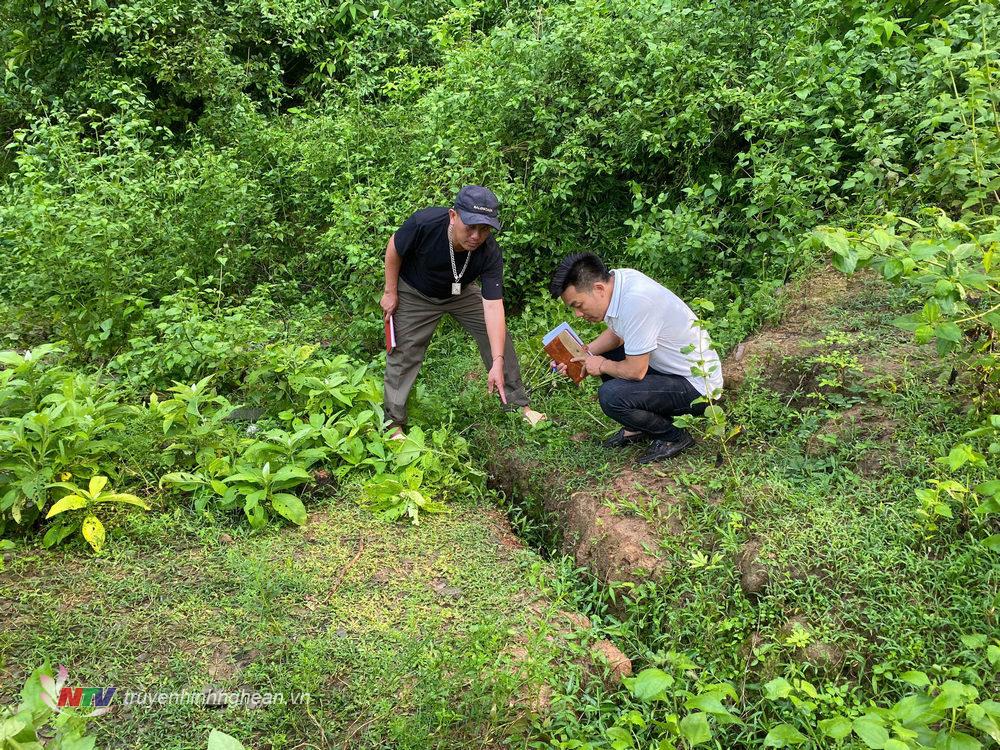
column 415, row 319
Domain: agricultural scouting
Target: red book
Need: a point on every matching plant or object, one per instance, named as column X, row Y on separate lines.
column 562, row 344
column 390, row 334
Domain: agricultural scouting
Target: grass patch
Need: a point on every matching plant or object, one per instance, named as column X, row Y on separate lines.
column 400, row 634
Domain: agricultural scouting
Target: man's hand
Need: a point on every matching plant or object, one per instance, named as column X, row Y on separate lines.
column 495, row 380
column 389, row 302
column 563, row 369
column 592, row 364
column 558, row 367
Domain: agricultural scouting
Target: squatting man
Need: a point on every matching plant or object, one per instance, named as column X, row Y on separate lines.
column 655, row 360
column 431, row 265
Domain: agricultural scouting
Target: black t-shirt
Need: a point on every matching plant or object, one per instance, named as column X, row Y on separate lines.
column 422, row 243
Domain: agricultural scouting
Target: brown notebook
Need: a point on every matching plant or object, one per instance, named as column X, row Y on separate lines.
column 562, row 344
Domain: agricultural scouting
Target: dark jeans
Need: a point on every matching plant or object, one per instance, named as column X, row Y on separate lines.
column 648, row 405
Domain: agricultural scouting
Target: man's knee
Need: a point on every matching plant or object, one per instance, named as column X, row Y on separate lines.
column 611, row 395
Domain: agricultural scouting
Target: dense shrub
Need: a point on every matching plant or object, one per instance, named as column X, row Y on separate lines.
column 92, row 228
column 698, row 141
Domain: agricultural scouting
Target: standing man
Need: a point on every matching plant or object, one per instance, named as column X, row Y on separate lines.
column 654, row 359
column 431, row 263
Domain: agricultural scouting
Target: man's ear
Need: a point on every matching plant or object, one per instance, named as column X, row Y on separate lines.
column 599, row 288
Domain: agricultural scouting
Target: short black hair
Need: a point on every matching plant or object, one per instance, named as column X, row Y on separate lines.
column 581, row 270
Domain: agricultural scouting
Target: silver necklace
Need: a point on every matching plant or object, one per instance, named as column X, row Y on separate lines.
column 456, row 288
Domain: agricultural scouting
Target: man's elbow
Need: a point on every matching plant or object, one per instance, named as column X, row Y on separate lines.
column 638, row 370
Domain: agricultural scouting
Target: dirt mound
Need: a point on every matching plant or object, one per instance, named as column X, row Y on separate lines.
column 615, row 548
column 779, row 349
column 753, row 575
column 615, row 545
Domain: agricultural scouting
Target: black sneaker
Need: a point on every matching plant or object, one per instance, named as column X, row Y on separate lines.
column 663, row 449
column 621, row 440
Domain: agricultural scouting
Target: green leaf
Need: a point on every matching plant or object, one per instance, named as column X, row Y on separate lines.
column 383, row 486
column 93, row 532
column 846, row 262
column 871, row 731
column 960, row 455
column 289, row 476
column 892, row 268
column 833, row 238
column 948, row 331
column 621, row 737
column 97, row 484
column 992, row 708
column 777, row 688
column 982, row 720
column 244, row 477
column 254, row 498
column 955, row 694
column 915, row 709
column 943, row 510
column 909, row 322
column 946, row 740
column 80, row 743
column 255, row 513
column 923, row 333
column 182, row 479
column 836, row 728
column 695, row 729
column 650, row 684
column 57, row 533
column 989, row 489
column 290, row 507
column 973, row 640
column 10, row 359
column 715, row 414
column 122, row 497
column 411, row 448
column 894, row 744
column 709, row 703
column 70, row 502
column 221, row 741
column 784, row 735
column 13, row 726
column 919, row 679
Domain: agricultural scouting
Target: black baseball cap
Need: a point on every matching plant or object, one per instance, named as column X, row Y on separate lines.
column 478, row 205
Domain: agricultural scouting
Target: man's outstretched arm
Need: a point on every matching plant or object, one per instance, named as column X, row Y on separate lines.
column 496, row 331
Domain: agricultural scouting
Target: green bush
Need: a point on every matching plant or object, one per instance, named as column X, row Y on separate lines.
column 54, row 424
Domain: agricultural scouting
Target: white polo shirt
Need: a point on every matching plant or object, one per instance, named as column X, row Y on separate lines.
column 651, row 319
